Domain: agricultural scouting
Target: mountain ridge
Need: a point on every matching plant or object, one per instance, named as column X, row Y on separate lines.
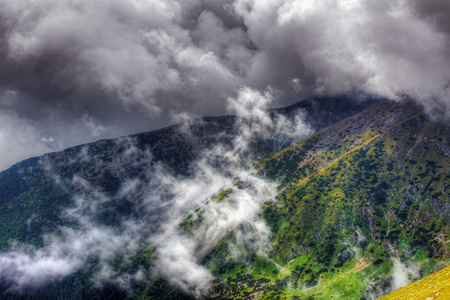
column 318, row 108
column 357, row 201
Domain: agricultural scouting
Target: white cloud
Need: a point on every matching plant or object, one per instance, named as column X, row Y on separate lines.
column 158, row 202
column 340, row 46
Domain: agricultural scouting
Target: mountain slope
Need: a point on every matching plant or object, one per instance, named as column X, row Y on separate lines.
column 360, row 204
column 362, row 207
column 28, row 190
column 39, row 196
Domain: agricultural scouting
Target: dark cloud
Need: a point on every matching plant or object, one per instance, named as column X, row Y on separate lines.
column 435, row 12
column 337, row 46
column 79, row 71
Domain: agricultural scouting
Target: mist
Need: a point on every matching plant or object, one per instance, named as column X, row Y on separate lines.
column 158, row 200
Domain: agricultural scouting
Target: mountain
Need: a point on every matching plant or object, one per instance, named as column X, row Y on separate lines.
column 360, row 209
column 28, row 190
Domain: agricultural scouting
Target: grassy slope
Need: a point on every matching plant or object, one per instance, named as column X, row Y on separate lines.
column 354, row 199
column 31, row 200
column 435, row 286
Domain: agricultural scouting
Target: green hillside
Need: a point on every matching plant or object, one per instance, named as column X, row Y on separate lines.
column 362, row 208
column 357, row 201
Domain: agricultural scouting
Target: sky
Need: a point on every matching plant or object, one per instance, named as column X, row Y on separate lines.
column 76, row 71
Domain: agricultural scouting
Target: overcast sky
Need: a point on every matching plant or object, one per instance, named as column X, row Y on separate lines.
column 76, row 71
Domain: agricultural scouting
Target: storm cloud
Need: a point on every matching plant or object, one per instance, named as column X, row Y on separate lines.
column 76, row 71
